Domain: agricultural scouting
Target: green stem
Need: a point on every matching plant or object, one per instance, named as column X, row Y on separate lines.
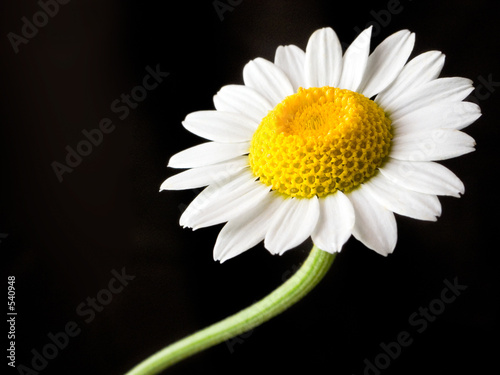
column 290, row 292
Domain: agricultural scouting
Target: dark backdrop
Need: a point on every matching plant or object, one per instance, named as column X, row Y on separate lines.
column 65, row 241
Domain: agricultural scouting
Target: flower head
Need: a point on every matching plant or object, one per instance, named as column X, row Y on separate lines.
column 326, row 144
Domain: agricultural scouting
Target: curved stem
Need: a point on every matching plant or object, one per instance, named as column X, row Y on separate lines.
column 290, row 292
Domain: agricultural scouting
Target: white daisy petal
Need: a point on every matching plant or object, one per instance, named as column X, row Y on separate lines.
column 323, row 61
column 208, row 153
column 424, row 177
column 429, row 145
column 220, row 126
column 246, row 231
column 441, row 115
column 421, row 69
column 267, row 79
column 386, row 62
column 221, row 202
column 291, row 60
column 441, row 90
column 355, row 60
column 375, row 226
column 202, row 176
column 292, row 224
column 244, row 100
column 335, row 222
column 403, row 201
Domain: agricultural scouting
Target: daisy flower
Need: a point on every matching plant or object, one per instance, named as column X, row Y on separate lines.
column 320, row 144
column 326, row 144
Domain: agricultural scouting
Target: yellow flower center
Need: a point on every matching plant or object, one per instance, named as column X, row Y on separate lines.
column 320, row 140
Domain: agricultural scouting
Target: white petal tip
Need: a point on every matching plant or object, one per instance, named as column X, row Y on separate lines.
column 165, row 186
column 384, row 252
column 222, row 259
column 172, row 162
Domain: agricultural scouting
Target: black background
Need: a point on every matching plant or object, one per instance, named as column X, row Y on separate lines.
column 65, row 238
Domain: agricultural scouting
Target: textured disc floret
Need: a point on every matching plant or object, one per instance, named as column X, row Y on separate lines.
column 320, row 140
